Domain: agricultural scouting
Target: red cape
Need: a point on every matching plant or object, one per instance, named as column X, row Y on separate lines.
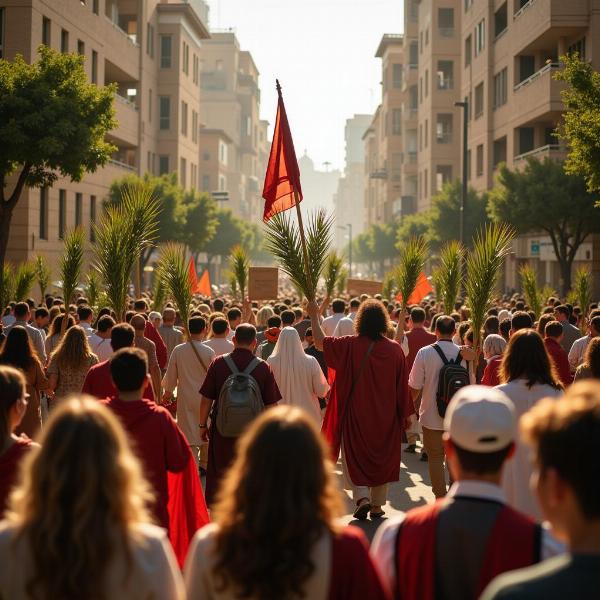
column 9, row 467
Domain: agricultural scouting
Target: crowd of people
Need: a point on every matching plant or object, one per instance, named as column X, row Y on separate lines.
column 140, row 462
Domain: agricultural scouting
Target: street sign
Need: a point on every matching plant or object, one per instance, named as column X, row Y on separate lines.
column 534, row 248
column 220, row 196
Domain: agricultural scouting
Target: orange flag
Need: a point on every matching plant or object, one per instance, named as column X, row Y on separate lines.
column 192, row 274
column 203, row 286
column 421, row 290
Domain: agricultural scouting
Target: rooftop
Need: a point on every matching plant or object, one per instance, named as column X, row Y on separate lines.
column 389, row 39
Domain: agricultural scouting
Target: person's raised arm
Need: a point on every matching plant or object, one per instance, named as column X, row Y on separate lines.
column 313, row 312
column 400, row 328
column 247, row 312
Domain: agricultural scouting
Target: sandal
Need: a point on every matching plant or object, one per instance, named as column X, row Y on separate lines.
column 377, row 515
column 362, row 511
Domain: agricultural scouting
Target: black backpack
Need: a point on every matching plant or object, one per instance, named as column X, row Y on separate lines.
column 453, row 377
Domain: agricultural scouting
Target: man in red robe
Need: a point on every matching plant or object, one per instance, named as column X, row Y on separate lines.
column 553, row 336
column 98, row 382
column 369, row 404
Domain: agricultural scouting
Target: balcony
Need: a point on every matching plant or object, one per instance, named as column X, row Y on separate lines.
column 378, row 174
column 446, row 32
column 552, row 151
column 120, row 47
column 538, row 95
column 127, row 116
column 445, row 83
column 213, row 81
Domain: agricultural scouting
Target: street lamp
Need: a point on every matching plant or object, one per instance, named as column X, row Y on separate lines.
column 349, row 228
column 463, row 197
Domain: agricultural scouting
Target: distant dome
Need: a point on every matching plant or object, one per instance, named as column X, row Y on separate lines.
column 306, row 163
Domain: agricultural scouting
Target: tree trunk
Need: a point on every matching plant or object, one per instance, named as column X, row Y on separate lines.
column 5, row 219
column 565, row 274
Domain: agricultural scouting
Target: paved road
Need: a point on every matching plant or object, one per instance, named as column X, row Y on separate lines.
column 413, row 489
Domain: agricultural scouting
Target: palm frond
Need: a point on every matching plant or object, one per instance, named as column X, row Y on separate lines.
column 413, row 255
column 389, row 285
column 282, row 239
column 582, row 286
column 7, row 285
column 233, row 283
column 159, row 291
column 173, row 265
column 122, row 233
column 239, row 263
column 484, row 262
column 436, row 280
column 92, row 288
column 342, row 281
column 531, row 290
column 24, row 280
column 71, row 262
column 333, row 268
column 43, row 274
column 548, row 292
column 451, row 273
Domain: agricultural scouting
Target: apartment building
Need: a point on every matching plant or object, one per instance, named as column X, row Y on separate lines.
column 151, row 50
column 230, row 102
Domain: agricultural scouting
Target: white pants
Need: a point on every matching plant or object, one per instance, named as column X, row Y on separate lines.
column 377, row 495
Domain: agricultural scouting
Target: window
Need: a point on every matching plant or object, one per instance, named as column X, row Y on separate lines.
column 526, row 139
column 194, row 175
column 420, row 42
column 186, row 59
column 64, row 41
column 479, row 167
column 420, row 136
column 205, row 183
column 194, row 127
column 163, row 164
column 578, row 47
column 92, row 218
column 94, row 66
column 1, row 32
column 443, row 128
column 397, row 76
column 150, row 40
column 500, row 20
column 446, row 22
column 80, row 47
column 426, row 133
column 165, row 51
column 526, row 67
column 478, row 100
column 62, row 213
column 413, row 55
column 78, row 209
column 469, row 101
column 44, row 213
column 425, row 182
column 413, row 97
column 46, row 31
column 500, row 88
column 445, row 74
column 468, row 50
column 219, row 65
column 150, row 106
column 420, row 90
column 164, row 103
column 480, row 37
column 222, row 183
column 195, row 69
column 222, row 152
column 427, row 37
column 183, row 172
column 426, row 83
column 413, row 11
column 396, row 121
column 468, row 4
column 206, row 156
column 443, row 174
column 95, row 7
column 184, row 118
column 499, row 151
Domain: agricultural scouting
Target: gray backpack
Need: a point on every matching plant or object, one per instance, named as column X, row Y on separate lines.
column 240, row 400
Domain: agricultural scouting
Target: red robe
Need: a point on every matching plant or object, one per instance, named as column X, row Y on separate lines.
column 168, row 466
column 98, row 383
column 161, row 348
column 491, row 374
column 9, row 468
column 380, row 407
column 560, row 359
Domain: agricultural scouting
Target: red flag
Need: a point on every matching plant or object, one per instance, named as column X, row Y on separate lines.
column 283, row 175
column 421, row 290
column 203, row 286
column 192, row 275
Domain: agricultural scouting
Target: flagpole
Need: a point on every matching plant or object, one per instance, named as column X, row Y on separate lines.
column 302, row 237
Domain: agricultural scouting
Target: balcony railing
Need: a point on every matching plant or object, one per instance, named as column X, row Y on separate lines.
column 547, row 69
column 444, row 138
column 132, row 37
column 121, row 164
column 542, row 150
column 446, row 32
column 125, row 101
column 413, row 65
column 446, row 83
column 523, row 9
column 412, row 157
column 378, row 174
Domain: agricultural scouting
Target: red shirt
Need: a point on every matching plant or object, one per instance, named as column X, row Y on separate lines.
column 98, row 383
column 161, row 348
column 417, row 338
column 9, row 467
column 491, row 376
column 560, row 359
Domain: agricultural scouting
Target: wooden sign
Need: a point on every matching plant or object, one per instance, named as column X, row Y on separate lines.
column 356, row 287
column 263, row 283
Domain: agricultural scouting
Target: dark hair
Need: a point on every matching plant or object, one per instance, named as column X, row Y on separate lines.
column 481, row 463
column 592, row 357
column 417, row 315
column 140, row 305
column 563, row 309
column 274, row 321
column 18, row 350
column 219, row 326
column 21, row 309
column 491, row 324
column 234, row 314
column 41, row 312
column 504, row 328
column 492, row 312
column 372, row 319
column 128, row 369
column 595, row 323
column 434, row 319
column 445, row 325
column 354, row 303
column 526, row 357
column 520, row 305
column 49, row 301
column 105, row 322
column 308, row 332
column 218, row 305
column 288, row 317
column 553, row 329
column 298, row 312
column 521, row 320
column 121, row 336
column 245, row 334
column 12, row 387
column 338, row 305
column 84, row 312
column 197, row 325
column 543, row 321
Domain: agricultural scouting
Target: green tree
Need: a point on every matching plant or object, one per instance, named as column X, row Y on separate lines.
column 362, row 251
column 543, row 197
column 581, row 121
column 228, row 234
column 382, row 242
column 52, row 124
column 200, row 221
column 413, row 226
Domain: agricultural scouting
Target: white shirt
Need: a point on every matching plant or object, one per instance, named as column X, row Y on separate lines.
column 577, row 351
column 330, row 323
column 220, row 346
column 100, row 347
column 425, row 375
column 8, row 320
column 383, row 549
column 89, row 330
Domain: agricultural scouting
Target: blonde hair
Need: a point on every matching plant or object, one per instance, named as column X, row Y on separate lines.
column 78, row 497
column 73, row 351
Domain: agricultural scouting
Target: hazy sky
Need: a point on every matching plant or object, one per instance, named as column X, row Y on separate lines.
column 322, row 51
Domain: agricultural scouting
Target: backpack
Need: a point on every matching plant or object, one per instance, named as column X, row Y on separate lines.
column 453, row 377
column 240, row 399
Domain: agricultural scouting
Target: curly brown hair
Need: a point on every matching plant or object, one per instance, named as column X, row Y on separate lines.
column 276, row 501
column 372, row 319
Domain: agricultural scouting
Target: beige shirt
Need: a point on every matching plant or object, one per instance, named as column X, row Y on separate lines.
column 200, row 580
column 149, row 347
column 171, row 336
column 154, row 574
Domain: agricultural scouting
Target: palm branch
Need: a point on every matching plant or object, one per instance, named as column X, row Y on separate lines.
column 389, row 285
column 413, row 255
column 582, row 286
column 342, row 281
column 123, row 232
column 7, row 285
column 282, row 239
column 451, row 273
column 239, row 264
column 173, row 265
column 159, row 291
column 333, row 268
column 531, row 290
column 43, row 274
column 92, row 288
column 547, row 292
column 233, row 284
column 436, row 280
column 70, row 266
column 24, row 280
column 484, row 262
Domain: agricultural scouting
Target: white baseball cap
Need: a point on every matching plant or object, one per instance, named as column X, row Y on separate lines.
column 481, row 419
